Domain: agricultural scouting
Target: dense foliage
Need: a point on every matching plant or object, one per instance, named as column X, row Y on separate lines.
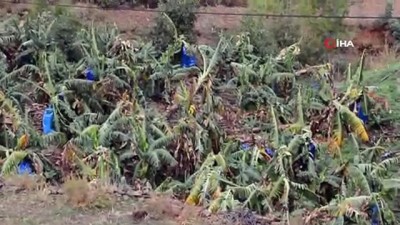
column 393, row 24
column 272, row 34
column 177, row 12
column 236, row 131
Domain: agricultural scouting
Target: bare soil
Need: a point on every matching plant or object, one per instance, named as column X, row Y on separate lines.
column 25, row 201
column 136, row 23
column 34, row 208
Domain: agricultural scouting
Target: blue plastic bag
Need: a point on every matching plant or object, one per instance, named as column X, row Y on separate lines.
column 25, row 167
column 270, row 152
column 312, row 149
column 48, row 120
column 360, row 113
column 245, row 146
column 89, row 74
column 61, row 96
column 186, row 59
column 375, row 215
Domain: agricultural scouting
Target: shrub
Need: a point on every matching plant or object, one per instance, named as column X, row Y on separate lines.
column 180, row 14
column 394, row 24
column 286, row 31
column 229, row 3
column 110, row 3
column 65, row 34
column 262, row 39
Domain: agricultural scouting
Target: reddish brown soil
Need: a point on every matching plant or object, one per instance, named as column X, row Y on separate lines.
column 28, row 201
column 136, row 23
column 373, row 38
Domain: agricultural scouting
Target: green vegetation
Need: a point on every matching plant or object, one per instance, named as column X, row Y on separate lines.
column 177, row 12
column 285, row 31
column 200, row 133
column 157, row 3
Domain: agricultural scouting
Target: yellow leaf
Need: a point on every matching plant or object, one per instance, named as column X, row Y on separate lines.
column 295, row 128
column 192, row 200
column 336, row 142
column 333, row 147
column 338, row 135
column 214, row 205
column 192, row 109
column 361, row 132
column 217, row 193
column 355, row 93
column 23, row 142
column 68, row 155
column 357, row 126
column 355, row 123
column 264, row 155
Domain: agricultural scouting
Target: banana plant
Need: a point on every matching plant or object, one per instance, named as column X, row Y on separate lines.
column 151, row 150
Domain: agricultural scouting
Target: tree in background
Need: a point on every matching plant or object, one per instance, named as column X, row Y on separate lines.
column 394, row 24
column 179, row 19
column 312, row 31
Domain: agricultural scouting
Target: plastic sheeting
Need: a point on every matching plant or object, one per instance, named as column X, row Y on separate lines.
column 186, row 59
column 48, row 120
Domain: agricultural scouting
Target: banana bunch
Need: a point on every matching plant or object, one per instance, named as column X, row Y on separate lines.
column 23, row 142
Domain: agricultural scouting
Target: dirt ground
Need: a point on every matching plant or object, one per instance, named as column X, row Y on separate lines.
column 24, row 201
column 207, row 26
column 137, row 23
column 36, row 209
